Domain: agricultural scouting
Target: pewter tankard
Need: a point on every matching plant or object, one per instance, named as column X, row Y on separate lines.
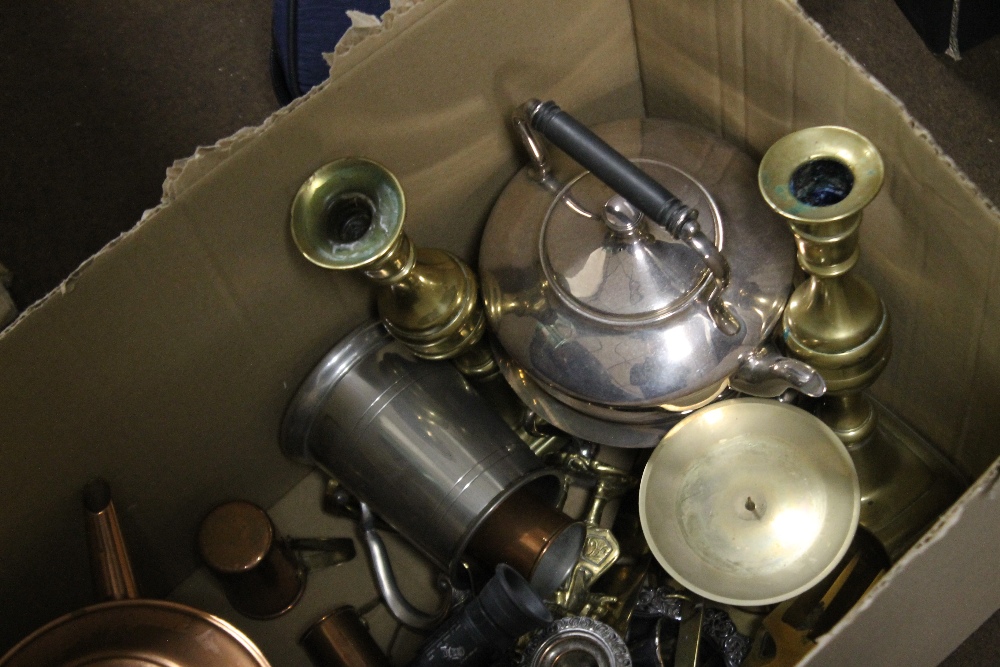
column 413, row 440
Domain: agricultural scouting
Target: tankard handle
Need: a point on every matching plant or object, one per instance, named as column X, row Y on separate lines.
column 621, row 175
column 397, row 604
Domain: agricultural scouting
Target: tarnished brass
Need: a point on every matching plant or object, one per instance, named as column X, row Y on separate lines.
column 689, row 638
column 614, row 596
column 600, row 552
column 749, row 501
column 905, row 483
column 349, row 215
column 820, row 179
column 601, row 549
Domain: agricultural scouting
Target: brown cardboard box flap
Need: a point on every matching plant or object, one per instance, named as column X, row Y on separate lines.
column 165, row 363
column 918, row 616
column 756, row 71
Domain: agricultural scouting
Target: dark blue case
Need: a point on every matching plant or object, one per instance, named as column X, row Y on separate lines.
column 302, row 30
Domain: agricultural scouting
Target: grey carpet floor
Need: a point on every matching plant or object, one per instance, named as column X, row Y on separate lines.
column 99, row 99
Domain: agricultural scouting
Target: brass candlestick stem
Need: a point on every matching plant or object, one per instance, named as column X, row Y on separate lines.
column 349, row 215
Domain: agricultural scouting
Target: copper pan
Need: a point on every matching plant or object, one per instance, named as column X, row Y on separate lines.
column 125, row 630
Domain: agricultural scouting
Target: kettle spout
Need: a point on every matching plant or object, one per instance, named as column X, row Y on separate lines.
column 766, row 373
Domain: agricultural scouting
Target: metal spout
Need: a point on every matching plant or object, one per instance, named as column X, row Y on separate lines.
column 765, row 373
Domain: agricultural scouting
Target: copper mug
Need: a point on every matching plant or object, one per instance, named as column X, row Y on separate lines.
column 259, row 572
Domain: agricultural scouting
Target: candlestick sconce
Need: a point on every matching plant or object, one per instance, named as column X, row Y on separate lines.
column 349, row 215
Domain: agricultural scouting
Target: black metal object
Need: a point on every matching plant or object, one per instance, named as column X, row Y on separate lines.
column 488, row 626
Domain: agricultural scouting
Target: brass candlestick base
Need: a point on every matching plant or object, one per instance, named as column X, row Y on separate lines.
column 349, row 215
column 791, row 629
column 906, row 484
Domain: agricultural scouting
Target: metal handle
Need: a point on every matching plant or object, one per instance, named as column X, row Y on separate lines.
column 398, row 606
column 641, row 190
column 109, row 560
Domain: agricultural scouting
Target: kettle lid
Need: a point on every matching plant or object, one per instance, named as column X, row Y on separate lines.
column 602, row 257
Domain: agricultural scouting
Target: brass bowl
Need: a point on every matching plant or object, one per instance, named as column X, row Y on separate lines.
column 749, row 501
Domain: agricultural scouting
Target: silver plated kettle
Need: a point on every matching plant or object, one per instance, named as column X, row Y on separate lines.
column 647, row 284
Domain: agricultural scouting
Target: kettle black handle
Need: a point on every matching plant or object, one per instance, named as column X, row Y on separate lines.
column 639, row 188
column 610, row 166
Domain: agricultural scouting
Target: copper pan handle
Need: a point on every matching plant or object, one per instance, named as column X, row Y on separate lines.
column 110, row 566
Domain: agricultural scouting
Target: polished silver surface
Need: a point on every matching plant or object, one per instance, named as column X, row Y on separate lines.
column 749, row 501
column 409, row 437
column 594, row 423
column 646, row 193
column 577, row 641
column 621, row 272
column 767, row 374
column 626, row 325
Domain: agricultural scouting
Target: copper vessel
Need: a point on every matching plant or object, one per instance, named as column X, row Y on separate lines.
column 259, row 572
column 539, row 541
column 340, row 639
column 128, row 631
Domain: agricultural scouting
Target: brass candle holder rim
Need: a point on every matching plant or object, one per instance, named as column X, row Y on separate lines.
column 831, row 143
column 749, row 501
column 374, row 193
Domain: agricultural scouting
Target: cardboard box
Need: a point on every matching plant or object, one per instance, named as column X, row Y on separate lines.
column 166, row 361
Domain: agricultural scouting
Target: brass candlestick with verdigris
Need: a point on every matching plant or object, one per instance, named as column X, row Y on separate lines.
column 349, row 215
column 820, row 179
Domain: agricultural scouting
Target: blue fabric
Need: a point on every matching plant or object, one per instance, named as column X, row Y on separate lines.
column 317, row 26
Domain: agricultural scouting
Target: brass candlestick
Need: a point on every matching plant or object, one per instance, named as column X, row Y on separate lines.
column 349, row 215
column 820, row 179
